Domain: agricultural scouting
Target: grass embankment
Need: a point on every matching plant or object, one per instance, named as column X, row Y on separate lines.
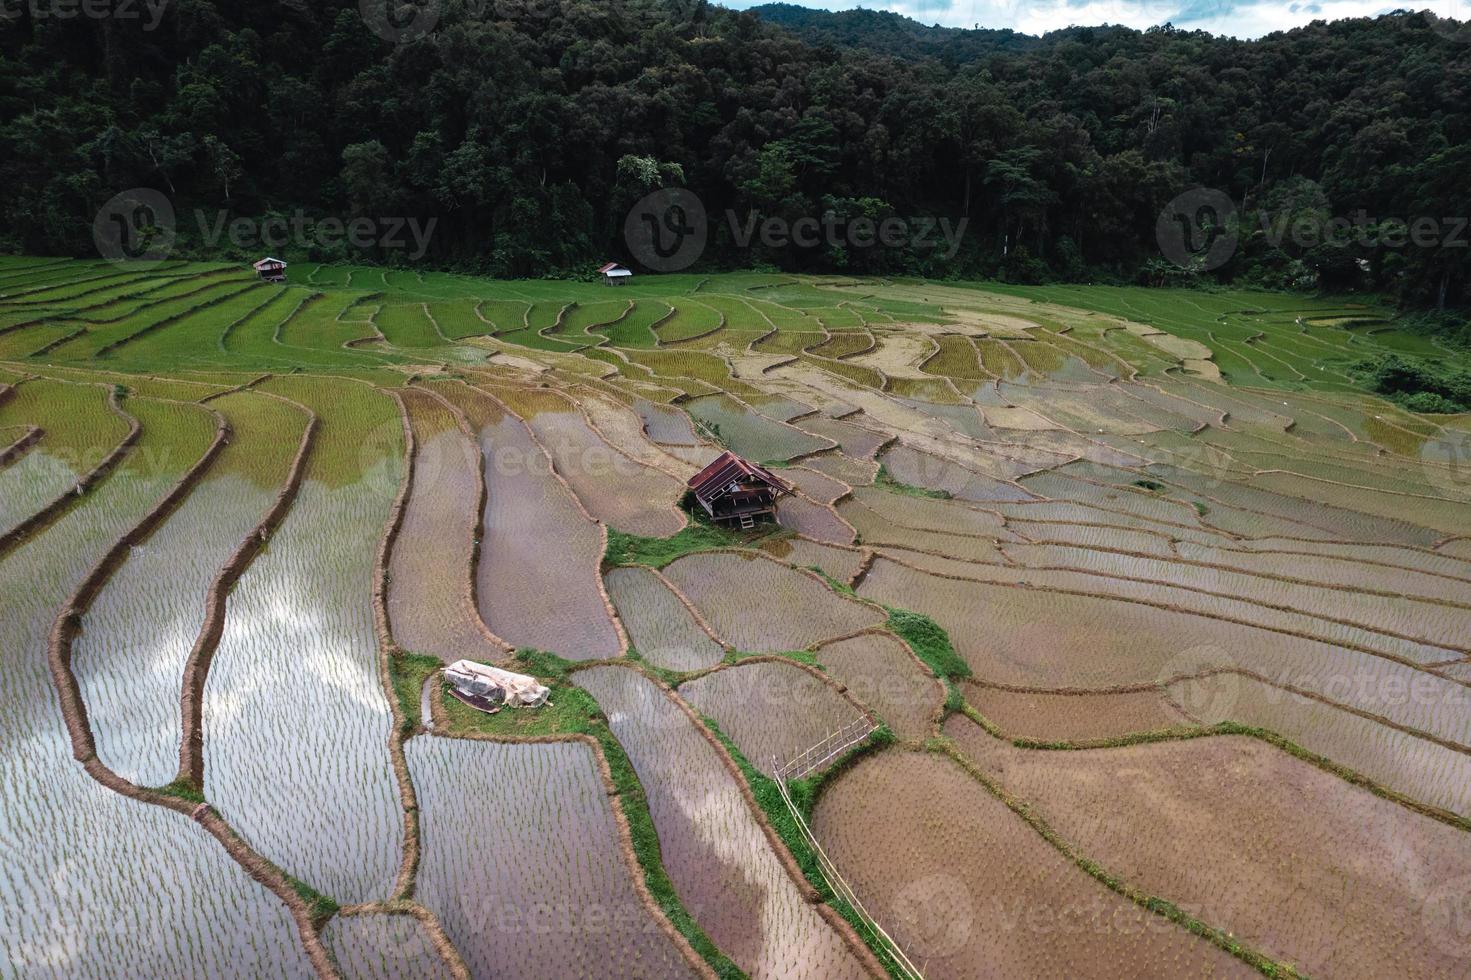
column 573, row 711
column 700, row 535
column 885, row 481
column 932, row 645
column 804, row 793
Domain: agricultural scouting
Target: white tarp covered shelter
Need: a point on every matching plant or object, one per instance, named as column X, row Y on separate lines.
column 476, row 680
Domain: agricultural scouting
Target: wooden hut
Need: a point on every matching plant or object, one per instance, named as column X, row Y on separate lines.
column 614, row 274
column 733, row 490
column 271, row 270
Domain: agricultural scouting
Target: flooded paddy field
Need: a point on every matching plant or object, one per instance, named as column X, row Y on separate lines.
column 562, row 902
column 715, row 852
column 1160, row 635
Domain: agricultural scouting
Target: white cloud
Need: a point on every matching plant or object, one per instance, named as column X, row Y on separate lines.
column 1228, row 17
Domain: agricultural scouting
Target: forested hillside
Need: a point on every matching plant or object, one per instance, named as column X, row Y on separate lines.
column 527, row 127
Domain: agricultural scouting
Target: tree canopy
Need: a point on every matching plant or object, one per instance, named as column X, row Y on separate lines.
column 528, row 127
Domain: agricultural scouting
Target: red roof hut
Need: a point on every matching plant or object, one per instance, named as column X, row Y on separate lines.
column 731, row 489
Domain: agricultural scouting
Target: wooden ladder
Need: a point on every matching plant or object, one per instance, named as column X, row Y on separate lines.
column 747, row 522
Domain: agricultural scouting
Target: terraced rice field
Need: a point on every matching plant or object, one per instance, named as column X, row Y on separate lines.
column 1169, row 618
column 715, row 852
column 773, row 711
column 979, row 891
column 563, row 903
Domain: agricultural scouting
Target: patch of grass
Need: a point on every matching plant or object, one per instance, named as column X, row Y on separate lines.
column 700, row 535
column 1152, row 486
column 1201, row 509
column 183, row 789
column 804, row 796
column 569, row 710
column 409, row 672
column 842, row 588
column 885, row 481
column 930, row 643
column 322, row 906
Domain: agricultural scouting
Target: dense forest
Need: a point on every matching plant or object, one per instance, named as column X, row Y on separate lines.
column 525, row 129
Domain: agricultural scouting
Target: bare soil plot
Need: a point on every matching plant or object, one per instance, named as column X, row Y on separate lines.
column 1073, row 717
column 616, row 489
column 881, row 673
column 77, row 905
column 296, row 720
column 773, row 711
column 1213, row 823
column 524, row 598
column 383, row 947
column 138, row 633
column 841, row 563
column 1036, row 637
column 715, row 852
column 967, row 888
column 562, row 902
column 430, row 602
column 761, row 606
column 898, row 354
column 660, row 627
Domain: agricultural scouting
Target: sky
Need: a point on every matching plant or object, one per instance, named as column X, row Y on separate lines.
column 1237, row 18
